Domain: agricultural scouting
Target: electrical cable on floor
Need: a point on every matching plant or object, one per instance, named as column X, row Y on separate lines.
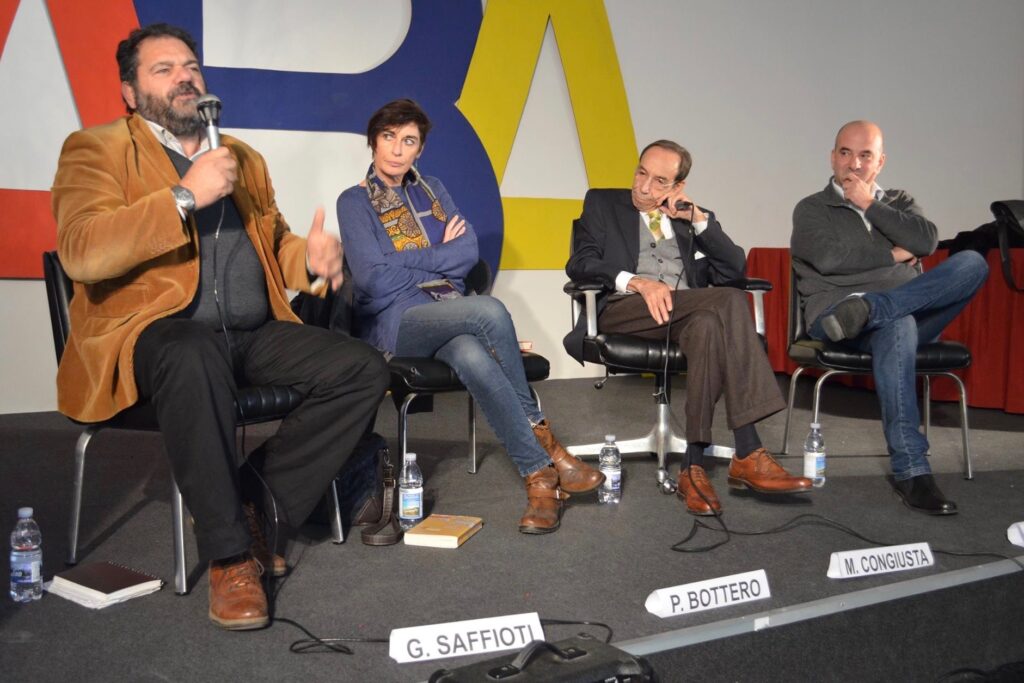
column 317, row 645
column 800, row 520
column 809, row 518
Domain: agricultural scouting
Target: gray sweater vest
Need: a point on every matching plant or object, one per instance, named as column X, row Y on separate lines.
column 659, row 260
column 240, row 283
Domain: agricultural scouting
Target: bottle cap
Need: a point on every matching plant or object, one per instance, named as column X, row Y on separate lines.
column 410, row 457
column 24, row 513
column 609, row 437
column 815, row 425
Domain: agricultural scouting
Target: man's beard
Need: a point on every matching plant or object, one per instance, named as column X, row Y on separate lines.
column 160, row 110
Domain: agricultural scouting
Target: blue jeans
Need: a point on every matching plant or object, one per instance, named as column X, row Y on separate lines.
column 901, row 320
column 476, row 337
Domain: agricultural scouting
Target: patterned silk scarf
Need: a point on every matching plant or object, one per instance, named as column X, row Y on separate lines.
column 398, row 221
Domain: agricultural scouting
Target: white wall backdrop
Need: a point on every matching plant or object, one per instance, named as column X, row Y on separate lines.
column 756, row 90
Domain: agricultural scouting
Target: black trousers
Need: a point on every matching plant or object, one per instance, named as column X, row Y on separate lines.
column 190, row 376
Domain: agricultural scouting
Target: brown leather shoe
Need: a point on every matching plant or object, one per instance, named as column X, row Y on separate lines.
column 696, row 505
column 237, row 600
column 275, row 564
column 545, row 502
column 574, row 475
column 760, row 471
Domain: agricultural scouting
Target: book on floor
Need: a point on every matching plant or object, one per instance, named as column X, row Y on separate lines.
column 101, row 584
column 443, row 531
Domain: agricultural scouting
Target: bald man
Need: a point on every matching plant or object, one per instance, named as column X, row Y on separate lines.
column 855, row 247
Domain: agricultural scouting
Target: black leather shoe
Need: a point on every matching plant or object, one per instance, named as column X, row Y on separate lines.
column 922, row 494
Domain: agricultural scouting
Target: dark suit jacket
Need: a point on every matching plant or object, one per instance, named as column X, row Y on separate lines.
column 606, row 242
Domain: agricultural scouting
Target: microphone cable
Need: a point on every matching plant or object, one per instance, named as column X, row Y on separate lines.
column 814, row 519
column 717, row 514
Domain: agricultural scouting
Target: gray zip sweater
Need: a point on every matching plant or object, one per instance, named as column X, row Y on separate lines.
column 834, row 254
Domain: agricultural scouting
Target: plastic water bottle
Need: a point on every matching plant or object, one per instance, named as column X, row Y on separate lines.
column 814, row 455
column 611, row 468
column 410, row 493
column 26, row 558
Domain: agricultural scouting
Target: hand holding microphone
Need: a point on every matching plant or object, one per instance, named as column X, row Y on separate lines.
column 208, row 106
column 213, row 174
column 678, row 205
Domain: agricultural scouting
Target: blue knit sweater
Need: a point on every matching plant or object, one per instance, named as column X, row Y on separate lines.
column 385, row 280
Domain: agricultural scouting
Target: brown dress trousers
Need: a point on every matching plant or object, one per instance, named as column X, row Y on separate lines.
column 714, row 329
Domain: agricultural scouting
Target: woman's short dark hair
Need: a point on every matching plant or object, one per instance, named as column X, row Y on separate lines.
column 395, row 115
column 685, row 160
column 128, row 49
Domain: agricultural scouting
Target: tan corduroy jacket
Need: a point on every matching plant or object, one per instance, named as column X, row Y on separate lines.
column 133, row 260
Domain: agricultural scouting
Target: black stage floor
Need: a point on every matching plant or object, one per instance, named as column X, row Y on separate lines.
column 600, row 566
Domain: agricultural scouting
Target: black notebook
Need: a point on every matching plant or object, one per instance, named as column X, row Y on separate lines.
column 100, row 584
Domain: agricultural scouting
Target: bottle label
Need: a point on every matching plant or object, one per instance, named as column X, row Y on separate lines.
column 410, row 503
column 612, row 479
column 811, row 463
column 819, row 463
column 25, row 569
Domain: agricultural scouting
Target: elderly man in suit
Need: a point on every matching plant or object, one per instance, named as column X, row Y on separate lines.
column 180, row 260
column 657, row 252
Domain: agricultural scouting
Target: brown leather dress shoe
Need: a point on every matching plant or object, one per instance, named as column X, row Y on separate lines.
column 237, row 600
column 695, row 504
column 574, row 475
column 545, row 502
column 275, row 564
column 760, row 471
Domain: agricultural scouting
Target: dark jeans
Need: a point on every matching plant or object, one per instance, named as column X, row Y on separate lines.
column 476, row 337
column 184, row 368
column 901, row 320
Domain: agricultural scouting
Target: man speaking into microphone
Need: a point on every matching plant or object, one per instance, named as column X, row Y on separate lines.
column 180, row 260
column 657, row 252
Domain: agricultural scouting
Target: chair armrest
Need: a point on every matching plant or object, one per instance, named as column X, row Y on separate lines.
column 575, row 288
column 756, row 288
column 584, row 297
column 749, row 284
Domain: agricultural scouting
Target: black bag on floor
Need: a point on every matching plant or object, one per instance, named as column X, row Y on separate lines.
column 365, row 487
column 582, row 659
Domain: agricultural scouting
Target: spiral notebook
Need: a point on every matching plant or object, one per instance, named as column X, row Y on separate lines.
column 101, row 584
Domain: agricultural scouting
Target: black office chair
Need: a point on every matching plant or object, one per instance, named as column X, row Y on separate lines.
column 628, row 354
column 254, row 405
column 934, row 359
column 415, row 381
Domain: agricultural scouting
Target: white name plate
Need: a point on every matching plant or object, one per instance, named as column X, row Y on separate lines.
column 894, row 558
column 459, row 638
column 710, row 594
column 1015, row 534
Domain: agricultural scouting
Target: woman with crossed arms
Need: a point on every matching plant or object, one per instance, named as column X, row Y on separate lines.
column 402, row 234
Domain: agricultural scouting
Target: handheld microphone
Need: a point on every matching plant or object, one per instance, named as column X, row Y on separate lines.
column 208, row 107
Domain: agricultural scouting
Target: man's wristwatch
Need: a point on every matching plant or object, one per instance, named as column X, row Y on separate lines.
column 184, row 198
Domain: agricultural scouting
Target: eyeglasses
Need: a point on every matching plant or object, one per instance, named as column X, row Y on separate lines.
column 657, row 183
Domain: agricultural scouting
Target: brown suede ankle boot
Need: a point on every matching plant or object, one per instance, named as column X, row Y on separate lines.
column 545, row 502
column 574, row 475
